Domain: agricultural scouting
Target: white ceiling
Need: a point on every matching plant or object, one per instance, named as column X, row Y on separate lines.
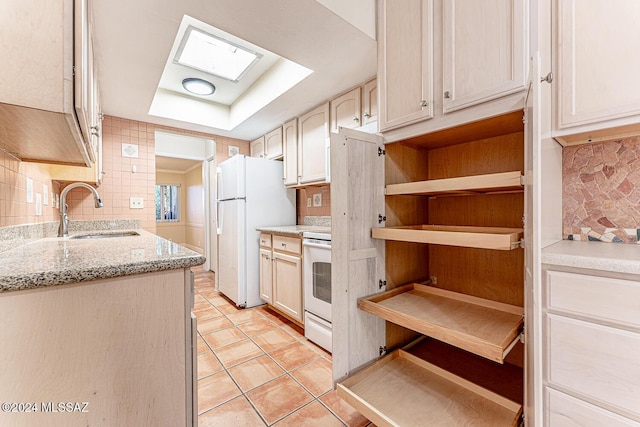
column 133, row 41
column 175, row 164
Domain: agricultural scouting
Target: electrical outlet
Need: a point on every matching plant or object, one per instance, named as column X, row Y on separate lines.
column 308, row 202
column 136, row 202
column 317, row 200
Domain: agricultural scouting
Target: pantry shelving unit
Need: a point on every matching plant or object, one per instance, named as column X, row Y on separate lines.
column 451, row 228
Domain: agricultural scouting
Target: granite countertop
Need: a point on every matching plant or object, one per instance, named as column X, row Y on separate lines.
column 607, row 257
column 50, row 261
column 294, row 230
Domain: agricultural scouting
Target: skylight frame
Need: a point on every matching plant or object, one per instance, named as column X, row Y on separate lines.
column 183, row 43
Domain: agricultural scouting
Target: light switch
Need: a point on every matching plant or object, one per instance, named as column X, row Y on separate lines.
column 136, row 202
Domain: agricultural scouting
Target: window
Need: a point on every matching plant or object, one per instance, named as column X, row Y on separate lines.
column 167, row 203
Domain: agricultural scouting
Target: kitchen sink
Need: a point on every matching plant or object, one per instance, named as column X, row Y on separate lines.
column 105, row 235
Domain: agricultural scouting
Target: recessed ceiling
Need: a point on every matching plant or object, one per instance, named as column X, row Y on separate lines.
column 133, row 42
column 233, row 101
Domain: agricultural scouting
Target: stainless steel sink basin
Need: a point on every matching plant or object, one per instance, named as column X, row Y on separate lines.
column 105, row 235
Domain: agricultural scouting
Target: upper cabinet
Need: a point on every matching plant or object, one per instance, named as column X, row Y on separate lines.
column 290, row 159
column 595, row 71
column 483, row 51
column 370, row 102
column 256, row 147
column 313, row 146
column 438, row 58
column 345, row 110
column 38, row 116
column 273, row 144
column 405, row 62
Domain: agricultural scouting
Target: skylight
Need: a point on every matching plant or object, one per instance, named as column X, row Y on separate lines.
column 213, row 55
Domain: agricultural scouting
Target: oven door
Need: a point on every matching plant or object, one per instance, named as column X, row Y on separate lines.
column 317, row 279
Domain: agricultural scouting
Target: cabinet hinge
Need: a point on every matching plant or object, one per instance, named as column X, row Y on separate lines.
column 73, row 70
column 524, row 119
column 381, row 218
column 382, row 151
column 382, row 350
column 382, row 283
column 524, row 220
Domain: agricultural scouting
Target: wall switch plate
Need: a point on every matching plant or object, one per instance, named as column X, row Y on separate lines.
column 136, row 202
column 317, row 200
column 308, row 202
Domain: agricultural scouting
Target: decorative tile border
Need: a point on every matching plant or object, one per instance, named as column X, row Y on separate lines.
column 610, row 235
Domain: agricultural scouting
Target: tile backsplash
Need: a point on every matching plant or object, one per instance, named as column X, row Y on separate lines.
column 601, row 191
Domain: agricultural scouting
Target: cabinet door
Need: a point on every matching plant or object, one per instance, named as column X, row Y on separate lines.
column 290, row 143
column 287, row 292
column 596, row 69
column 345, row 110
column 370, row 102
column 357, row 260
column 313, row 145
column 405, row 62
column 83, row 72
column 484, row 51
column 257, row 147
column 266, row 276
column 273, row 144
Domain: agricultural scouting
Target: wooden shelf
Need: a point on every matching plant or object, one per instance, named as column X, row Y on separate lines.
column 487, row 328
column 487, row 183
column 403, row 389
column 470, row 237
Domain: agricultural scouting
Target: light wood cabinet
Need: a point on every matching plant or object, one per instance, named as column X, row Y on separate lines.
column 405, row 62
column 266, row 275
column 273, row 144
column 594, row 72
column 98, row 342
column 256, row 147
column 290, row 158
column 437, row 59
column 313, row 146
column 345, row 110
column 592, row 337
column 281, row 275
column 37, row 88
column 370, row 102
column 448, row 268
column 287, row 289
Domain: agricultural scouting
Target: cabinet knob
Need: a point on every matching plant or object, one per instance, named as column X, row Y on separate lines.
column 355, row 119
column 424, row 103
column 447, row 94
column 366, row 115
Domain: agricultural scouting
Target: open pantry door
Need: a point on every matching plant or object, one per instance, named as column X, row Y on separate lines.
column 357, row 260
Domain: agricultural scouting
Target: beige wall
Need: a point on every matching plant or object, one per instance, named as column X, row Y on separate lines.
column 174, row 231
column 304, row 193
column 194, row 212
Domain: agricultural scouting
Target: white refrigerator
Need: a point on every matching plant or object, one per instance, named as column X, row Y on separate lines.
column 251, row 194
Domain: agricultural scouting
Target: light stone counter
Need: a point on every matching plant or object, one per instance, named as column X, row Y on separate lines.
column 606, row 257
column 294, row 230
column 33, row 260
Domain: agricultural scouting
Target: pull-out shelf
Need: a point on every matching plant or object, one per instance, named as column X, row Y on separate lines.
column 451, row 235
column 402, row 389
column 487, row 328
column 487, row 183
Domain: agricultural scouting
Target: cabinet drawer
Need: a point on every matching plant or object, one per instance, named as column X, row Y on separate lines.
column 596, row 361
column 565, row 410
column 265, row 240
column 598, row 298
column 287, row 244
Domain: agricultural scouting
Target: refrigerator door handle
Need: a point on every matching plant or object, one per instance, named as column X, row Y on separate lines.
column 220, row 218
column 220, row 194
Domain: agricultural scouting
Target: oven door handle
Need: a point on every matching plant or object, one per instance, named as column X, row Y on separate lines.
column 316, row 245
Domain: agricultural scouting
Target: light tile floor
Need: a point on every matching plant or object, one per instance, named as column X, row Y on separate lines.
column 256, row 368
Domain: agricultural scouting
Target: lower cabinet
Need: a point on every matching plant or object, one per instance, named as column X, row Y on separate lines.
column 281, row 275
column 592, row 339
column 125, row 346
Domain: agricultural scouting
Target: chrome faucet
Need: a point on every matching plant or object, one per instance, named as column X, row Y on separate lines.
column 63, row 229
